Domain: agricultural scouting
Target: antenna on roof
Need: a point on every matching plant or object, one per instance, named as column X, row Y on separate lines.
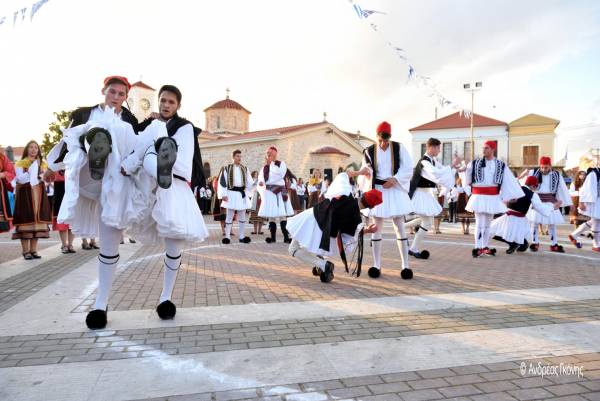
column 227, row 93
column 324, row 116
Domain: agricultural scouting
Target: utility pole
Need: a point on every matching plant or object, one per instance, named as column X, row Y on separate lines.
column 477, row 86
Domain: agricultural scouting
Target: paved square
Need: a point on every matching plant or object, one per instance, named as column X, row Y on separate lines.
column 254, row 324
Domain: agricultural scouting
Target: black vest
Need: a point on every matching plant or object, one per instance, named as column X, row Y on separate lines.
column 371, row 157
column 336, row 216
column 417, row 180
column 176, row 122
column 477, row 171
column 595, row 170
column 522, row 204
column 554, row 179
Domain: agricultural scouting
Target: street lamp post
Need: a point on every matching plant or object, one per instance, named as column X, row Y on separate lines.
column 472, row 88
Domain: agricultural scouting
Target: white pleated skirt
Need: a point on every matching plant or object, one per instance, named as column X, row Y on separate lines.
column 491, row 204
column 273, row 206
column 425, row 203
column 395, row 203
column 511, row 228
column 235, row 201
column 555, row 217
column 592, row 209
column 304, row 228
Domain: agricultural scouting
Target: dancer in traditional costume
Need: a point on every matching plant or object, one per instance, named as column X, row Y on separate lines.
column 575, row 217
column 275, row 203
column 589, row 205
column 513, row 226
column 33, row 211
column 492, row 183
column 167, row 162
column 315, row 187
column 99, row 201
column 257, row 222
column 390, row 169
column 427, row 175
column 64, row 231
column 235, row 187
column 552, row 189
column 335, row 222
column 7, row 175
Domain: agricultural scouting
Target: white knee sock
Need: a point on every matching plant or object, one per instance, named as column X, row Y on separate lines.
column 424, row 227
column 402, row 240
column 242, row 223
column 376, row 243
column 149, row 163
column 552, row 232
column 296, row 250
column 107, row 263
column 479, row 229
column 596, row 231
column 486, row 230
column 229, row 222
column 413, row 223
column 173, row 256
column 534, row 233
column 581, row 229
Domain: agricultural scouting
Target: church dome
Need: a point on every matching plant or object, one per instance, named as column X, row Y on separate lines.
column 227, row 104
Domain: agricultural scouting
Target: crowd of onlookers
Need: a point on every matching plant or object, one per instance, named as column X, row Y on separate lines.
column 29, row 206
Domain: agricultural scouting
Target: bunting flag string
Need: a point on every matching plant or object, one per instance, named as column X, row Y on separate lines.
column 413, row 76
column 22, row 12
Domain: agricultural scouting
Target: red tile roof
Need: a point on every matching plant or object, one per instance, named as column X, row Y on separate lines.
column 456, row 120
column 271, row 132
column 325, row 150
column 227, row 104
column 140, row 84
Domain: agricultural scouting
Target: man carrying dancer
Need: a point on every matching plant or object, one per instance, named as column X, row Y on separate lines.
column 589, row 205
column 235, row 186
column 388, row 168
column 275, row 203
column 491, row 183
column 166, row 163
column 552, row 189
column 427, row 175
column 513, row 226
column 335, row 220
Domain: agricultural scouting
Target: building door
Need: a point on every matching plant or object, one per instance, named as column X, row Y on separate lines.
column 328, row 173
column 447, row 154
column 530, row 155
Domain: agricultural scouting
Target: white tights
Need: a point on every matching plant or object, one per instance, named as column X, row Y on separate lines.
column 401, row 240
column 482, row 229
column 229, row 222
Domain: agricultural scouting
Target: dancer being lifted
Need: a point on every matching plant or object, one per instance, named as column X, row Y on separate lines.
column 387, row 167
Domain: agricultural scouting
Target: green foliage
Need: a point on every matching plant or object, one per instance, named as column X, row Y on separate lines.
column 54, row 133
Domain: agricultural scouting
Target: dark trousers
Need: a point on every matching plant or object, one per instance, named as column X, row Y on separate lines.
column 452, row 212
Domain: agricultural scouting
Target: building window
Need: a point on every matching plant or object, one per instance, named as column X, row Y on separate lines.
column 530, row 155
column 218, row 122
column 328, row 173
column 423, row 149
column 467, row 151
column 447, row 153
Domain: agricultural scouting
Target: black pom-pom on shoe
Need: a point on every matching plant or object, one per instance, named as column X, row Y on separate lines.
column 245, row 240
column 96, row 319
column 166, row 310
column 424, row 254
column 316, row 271
column 406, row 274
column 226, row 241
column 327, row 274
column 374, row 272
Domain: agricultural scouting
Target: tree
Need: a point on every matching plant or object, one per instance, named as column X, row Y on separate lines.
column 54, row 134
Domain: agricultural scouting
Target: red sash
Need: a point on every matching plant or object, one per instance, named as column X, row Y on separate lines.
column 514, row 213
column 485, row 190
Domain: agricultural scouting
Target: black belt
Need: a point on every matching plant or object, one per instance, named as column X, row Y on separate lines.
column 241, row 190
column 179, row 177
column 379, row 182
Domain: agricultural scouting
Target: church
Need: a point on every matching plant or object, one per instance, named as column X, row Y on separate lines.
column 304, row 147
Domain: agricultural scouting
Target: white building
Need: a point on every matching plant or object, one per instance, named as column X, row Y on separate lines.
column 454, row 131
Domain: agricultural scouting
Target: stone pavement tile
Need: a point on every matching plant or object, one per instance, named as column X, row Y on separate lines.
column 192, row 397
column 566, row 389
column 235, row 395
column 421, row 395
column 457, row 391
column 362, row 381
column 501, row 396
column 530, row 394
column 389, row 388
column 465, row 379
column 359, row 391
column 435, row 373
column 401, row 376
column 496, row 386
column 307, row 397
column 595, row 396
column 427, row 383
column 322, row 385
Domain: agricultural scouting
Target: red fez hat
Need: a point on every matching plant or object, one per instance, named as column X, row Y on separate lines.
column 491, row 144
column 372, row 198
column 384, row 127
column 531, row 181
column 545, row 161
column 113, row 78
column 272, row 148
